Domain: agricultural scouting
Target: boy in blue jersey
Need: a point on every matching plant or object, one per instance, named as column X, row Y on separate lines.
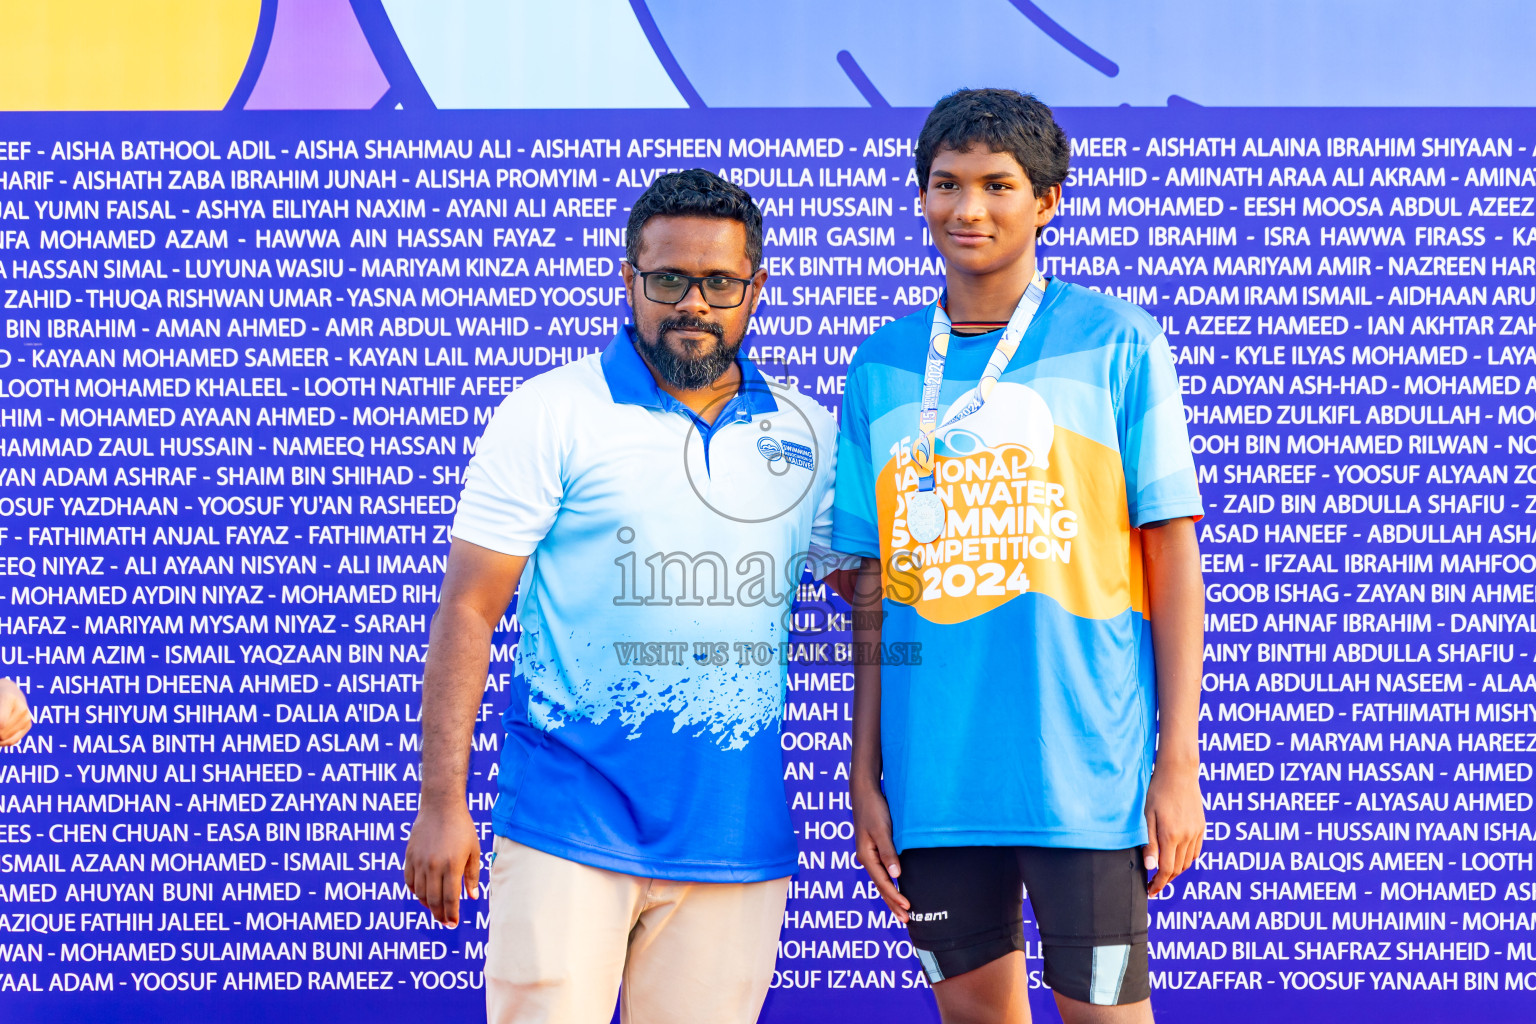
column 653, row 506
column 1015, row 472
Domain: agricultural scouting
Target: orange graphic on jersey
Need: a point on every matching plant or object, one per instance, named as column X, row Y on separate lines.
column 1016, row 526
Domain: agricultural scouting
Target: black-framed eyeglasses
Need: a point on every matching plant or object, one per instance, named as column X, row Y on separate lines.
column 720, row 292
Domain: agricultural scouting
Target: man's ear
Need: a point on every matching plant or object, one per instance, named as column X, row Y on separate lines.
column 627, row 272
column 759, row 278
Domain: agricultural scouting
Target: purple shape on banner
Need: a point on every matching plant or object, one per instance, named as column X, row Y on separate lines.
column 318, row 60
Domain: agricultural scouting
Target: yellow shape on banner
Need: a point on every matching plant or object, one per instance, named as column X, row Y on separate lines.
column 114, row 55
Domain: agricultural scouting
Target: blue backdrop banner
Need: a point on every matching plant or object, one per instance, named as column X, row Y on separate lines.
column 247, row 355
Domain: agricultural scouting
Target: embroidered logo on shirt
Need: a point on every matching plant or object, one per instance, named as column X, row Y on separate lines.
column 796, row 454
column 768, row 448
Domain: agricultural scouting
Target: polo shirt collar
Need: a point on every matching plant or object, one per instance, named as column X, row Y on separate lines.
column 630, row 381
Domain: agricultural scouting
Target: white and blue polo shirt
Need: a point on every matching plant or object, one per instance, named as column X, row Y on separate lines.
column 643, row 727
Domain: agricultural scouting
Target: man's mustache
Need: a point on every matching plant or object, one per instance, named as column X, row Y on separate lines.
column 690, row 322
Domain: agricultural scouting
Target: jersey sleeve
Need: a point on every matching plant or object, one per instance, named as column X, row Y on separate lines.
column 855, row 518
column 1160, row 479
column 513, row 486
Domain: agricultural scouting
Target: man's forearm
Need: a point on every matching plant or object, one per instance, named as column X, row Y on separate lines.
column 1177, row 596
column 443, row 853
column 867, row 613
column 453, row 685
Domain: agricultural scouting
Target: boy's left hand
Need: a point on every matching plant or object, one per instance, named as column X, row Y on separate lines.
column 1175, row 824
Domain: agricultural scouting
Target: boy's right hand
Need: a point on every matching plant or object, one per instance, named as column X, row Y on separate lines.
column 15, row 719
column 877, row 852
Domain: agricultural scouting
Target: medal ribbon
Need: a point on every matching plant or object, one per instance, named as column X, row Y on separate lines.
column 933, row 374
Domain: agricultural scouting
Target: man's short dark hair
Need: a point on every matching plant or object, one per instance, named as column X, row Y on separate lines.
column 695, row 193
column 1002, row 121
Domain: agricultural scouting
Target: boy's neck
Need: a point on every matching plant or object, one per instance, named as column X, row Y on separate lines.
column 988, row 298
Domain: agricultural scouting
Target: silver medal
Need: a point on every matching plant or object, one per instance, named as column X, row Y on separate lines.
column 925, row 516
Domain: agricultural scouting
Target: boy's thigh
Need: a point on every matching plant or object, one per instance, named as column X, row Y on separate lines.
column 1091, row 908
column 967, row 907
column 558, row 937
column 703, row 952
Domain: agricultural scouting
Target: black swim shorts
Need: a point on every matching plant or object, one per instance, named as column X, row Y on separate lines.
column 1090, row 905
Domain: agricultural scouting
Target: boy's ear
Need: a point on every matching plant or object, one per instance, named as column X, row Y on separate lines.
column 1047, row 205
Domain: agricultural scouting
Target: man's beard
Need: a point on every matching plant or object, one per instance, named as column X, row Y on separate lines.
column 688, row 371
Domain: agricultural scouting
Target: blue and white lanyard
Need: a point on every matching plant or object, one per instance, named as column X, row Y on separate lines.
column 973, row 400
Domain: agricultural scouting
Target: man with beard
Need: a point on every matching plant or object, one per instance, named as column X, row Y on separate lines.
column 657, row 503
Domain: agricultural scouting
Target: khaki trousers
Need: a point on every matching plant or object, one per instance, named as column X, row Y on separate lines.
column 566, row 940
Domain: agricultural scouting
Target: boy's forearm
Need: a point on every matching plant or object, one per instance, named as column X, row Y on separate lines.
column 1175, row 589
column 866, row 767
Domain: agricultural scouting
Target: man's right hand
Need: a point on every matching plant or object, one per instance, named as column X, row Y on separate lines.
column 442, row 856
column 877, row 851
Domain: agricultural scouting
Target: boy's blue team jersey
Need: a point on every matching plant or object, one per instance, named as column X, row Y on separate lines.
column 643, row 725
column 1031, row 718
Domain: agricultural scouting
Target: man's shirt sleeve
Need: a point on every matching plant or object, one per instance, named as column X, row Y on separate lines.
column 513, row 486
column 855, row 518
column 1160, row 480
column 823, row 557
